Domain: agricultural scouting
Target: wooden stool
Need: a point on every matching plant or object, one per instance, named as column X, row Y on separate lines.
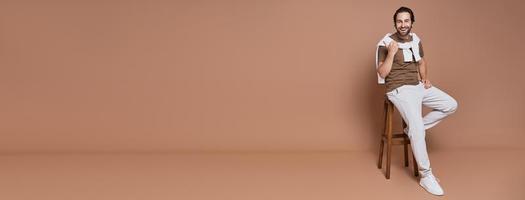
column 393, row 139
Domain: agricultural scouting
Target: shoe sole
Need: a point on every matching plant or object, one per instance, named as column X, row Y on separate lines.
column 430, row 192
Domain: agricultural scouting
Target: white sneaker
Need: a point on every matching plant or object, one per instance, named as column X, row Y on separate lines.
column 431, row 185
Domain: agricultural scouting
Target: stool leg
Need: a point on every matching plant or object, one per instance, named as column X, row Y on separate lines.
column 405, row 147
column 388, row 159
column 380, row 161
column 382, row 145
column 404, row 125
column 389, row 140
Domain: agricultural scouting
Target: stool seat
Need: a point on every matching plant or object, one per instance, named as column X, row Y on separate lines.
column 390, row 139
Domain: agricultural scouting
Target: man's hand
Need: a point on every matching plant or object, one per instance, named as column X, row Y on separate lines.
column 427, row 83
column 392, row 48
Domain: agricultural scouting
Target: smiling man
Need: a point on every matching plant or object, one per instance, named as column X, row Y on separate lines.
column 402, row 67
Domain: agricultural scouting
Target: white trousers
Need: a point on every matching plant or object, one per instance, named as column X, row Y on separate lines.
column 408, row 100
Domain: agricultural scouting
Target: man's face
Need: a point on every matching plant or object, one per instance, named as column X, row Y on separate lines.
column 403, row 23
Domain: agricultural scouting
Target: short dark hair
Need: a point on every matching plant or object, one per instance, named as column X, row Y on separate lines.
column 402, row 10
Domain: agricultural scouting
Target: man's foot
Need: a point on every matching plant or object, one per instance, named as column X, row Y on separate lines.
column 430, row 184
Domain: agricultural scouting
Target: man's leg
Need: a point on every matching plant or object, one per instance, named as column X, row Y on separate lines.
column 408, row 101
column 441, row 103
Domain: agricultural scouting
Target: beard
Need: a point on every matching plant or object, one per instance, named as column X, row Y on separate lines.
column 404, row 31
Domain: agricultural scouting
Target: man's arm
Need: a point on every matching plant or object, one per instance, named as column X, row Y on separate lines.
column 423, row 73
column 385, row 66
column 422, row 69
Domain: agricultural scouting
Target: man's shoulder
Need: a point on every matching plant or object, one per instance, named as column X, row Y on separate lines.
column 415, row 37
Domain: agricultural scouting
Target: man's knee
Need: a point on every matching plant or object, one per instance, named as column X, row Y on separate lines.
column 451, row 107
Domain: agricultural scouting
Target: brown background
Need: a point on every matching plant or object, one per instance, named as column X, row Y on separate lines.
column 112, row 76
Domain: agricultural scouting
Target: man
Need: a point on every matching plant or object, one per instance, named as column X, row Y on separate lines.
column 402, row 67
